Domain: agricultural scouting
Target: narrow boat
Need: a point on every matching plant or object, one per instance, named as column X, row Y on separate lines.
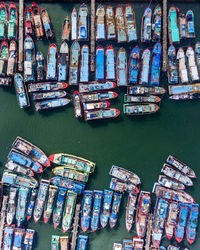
column 143, row 209
column 8, row 237
column 50, row 201
column 120, row 186
column 182, row 25
column 82, row 242
column 188, row 89
column 37, row 21
column 31, row 204
column 51, row 73
column 84, row 67
column 130, row 22
column 83, row 23
column 68, row 211
column 110, row 63
column 140, row 109
column 115, row 209
column 59, row 205
column 95, row 214
column 99, row 73
column 29, row 60
column 3, row 57
column 181, row 221
column 47, row 24
column 138, row 243
column 11, row 207
column 120, row 25
column 28, row 22
column 21, row 205
column 190, row 27
column 172, row 67
column 117, row 246
column 49, row 95
column 193, row 70
column 171, row 219
column 47, row 86
column 41, row 199
column 29, row 239
column 63, row 62
column 55, row 242
column 12, row 166
column 64, row 242
column 74, row 25
column 71, row 174
column 74, row 63
column 146, row 26
column 6, row 81
column 184, row 97
column 18, row 238
column 66, row 29
column 96, row 86
column 121, row 67
column 157, row 24
column 100, row 96
column 143, row 99
column 171, row 247
column 106, row 206
column 12, row 21
column 100, row 23
column 145, row 67
column 127, row 244
column 12, row 58
column 197, row 54
column 141, row 90
column 54, row 103
column 134, row 65
column 3, row 21
column 192, row 223
column 173, row 31
column 77, row 105
column 101, row 114
column 86, row 210
column 40, row 66
column 183, row 74
column 130, row 210
column 96, row 105
column 169, row 183
column 110, row 23
column 155, row 64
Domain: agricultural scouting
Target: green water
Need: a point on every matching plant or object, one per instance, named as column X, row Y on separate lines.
column 138, row 144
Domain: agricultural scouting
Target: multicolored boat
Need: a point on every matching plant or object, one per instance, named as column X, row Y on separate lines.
column 190, row 27
column 107, row 201
column 40, row 67
column 183, row 73
column 100, row 96
column 99, row 73
column 110, row 63
column 95, row 86
column 170, row 183
column 157, row 23
column 145, row 67
column 29, row 60
column 121, row 67
column 101, row 114
column 84, row 67
column 12, row 21
column 31, row 204
column 12, row 58
column 117, row 246
column 120, row 25
column 171, row 219
column 192, row 223
column 100, row 23
column 51, row 73
column 55, row 242
column 83, row 23
column 18, row 238
column 63, row 62
column 66, row 29
column 95, row 215
column 54, row 103
column 64, row 242
column 130, row 210
column 77, row 105
column 143, row 99
column 172, row 69
column 49, row 95
column 86, row 210
column 3, row 57
column 173, row 31
column 115, row 209
column 74, row 63
column 96, row 105
column 82, row 242
column 37, row 21
column 146, row 26
column 6, row 81
column 21, row 205
column 47, row 24
column 74, row 25
column 28, row 22
column 8, row 237
column 193, row 70
column 138, row 243
column 134, row 65
column 120, row 186
column 49, row 205
column 12, row 166
column 47, row 86
column 182, row 25
column 110, row 23
column 127, row 244
column 29, row 239
column 3, row 20
column 11, row 207
column 155, row 64
column 130, row 23
column 140, row 90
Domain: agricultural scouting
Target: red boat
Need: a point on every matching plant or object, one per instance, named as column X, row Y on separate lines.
column 3, row 21
column 28, row 22
column 37, row 21
column 12, row 21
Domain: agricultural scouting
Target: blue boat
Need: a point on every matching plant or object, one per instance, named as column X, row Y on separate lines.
column 8, row 237
column 155, row 67
column 28, row 239
column 133, row 65
column 190, row 27
column 115, row 209
column 127, row 244
column 146, row 27
column 110, row 63
column 82, row 242
column 63, row 62
column 84, row 67
column 97, row 197
column 105, row 213
column 21, row 205
column 121, row 67
column 52, row 62
column 18, row 238
column 96, row 86
column 192, row 223
column 86, row 210
column 40, row 66
column 74, row 63
column 144, row 75
column 99, row 74
column 29, row 60
column 172, row 69
column 31, row 205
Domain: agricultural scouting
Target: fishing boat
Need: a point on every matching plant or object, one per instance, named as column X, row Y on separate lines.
column 171, row 219
column 37, row 21
column 8, row 237
column 100, row 96
column 41, row 199
column 121, row 67
column 64, row 242
column 181, row 221
column 143, row 209
column 110, row 63
column 197, row 54
column 190, row 27
column 21, row 205
column 49, row 95
column 31, row 204
column 140, row 109
column 95, row 213
column 18, row 238
column 130, row 210
column 127, row 244
column 138, row 243
column 40, row 67
column 160, row 213
column 6, row 81
column 82, row 242
column 192, row 223
column 84, row 67
column 55, row 242
column 120, row 25
column 63, row 62
column 141, row 90
column 12, row 21
column 172, row 67
column 170, row 183
column 12, row 58
column 110, row 23
column 74, row 63
column 185, row 97
column 50, row 201
column 120, row 186
column 74, row 25
column 66, row 29
column 101, row 114
column 193, row 70
column 157, row 23
column 51, row 73
column 47, row 86
column 54, row 103
column 3, row 20
column 47, row 24
column 96, row 105
column 143, row 99
column 146, row 26
column 96, row 86
column 68, row 211
column 28, row 22
column 29, row 239
column 59, row 206
column 182, row 25
column 99, row 73
column 130, row 22
column 117, row 246
column 77, row 105
column 100, row 23
column 106, row 206
column 86, row 210
column 12, row 166
column 155, row 64
column 11, row 207
column 173, row 31
column 184, row 89
column 29, row 60
column 83, row 23
column 115, row 209
column 3, row 57
column 145, row 66
column 134, row 65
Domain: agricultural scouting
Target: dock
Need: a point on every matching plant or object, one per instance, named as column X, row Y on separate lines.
column 92, row 36
column 2, row 218
column 164, row 30
column 21, row 35
column 148, row 234
column 75, row 227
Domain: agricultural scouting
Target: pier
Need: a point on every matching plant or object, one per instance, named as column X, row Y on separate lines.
column 92, row 36
column 2, row 218
column 21, row 35
column 148, row 234
column 75, row 227
column 164, row 30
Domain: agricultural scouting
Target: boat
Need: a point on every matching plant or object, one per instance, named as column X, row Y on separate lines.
column 6, row 81
column 117, row 246
column 18, row 238
column 86, row 210
column 127, row 244
column 110, row 23
column 95, row 213
column 12, row 21
column 31, row 204
column 3, row 20
column 173, row 31
column 130, row 22
column 82, row 242
column 12, row 166
column 142, row 214
column 120, row 25
column 63, row 62
column 31, row 151
column 49, row 95
column 155, row 64
column 41, row 199
column 183, row 74
column 55, row 242
column 51, row 73
column 101, row 114
column 12, row 58
column 185, row 97
column 145, row 67
column 182, row 25
column 171, row 219
column 96, row 105
column 172, row 67
column 181, row 221
column 187, row 89
column 138, row 243
column 100, row 23
column 68, row 211
column 146, row 26
column 29, row 60
column 106, row 206
column 29, row 239
column 190, row 27
column 74, row 63
column 157, row 24
column 74, row 25
column 99, row 72
column 192, row 223
column 59, row 206
column 8, row 237
column 28, row 22
column 140, row 109
column 11, row 207
column 54, row 103
column 171, row 247
column 175, row 174
column 134, row 65
column 121, row 67
column 64, row 242
column 99, row 96
column 96, row 86
column 37, row 21
column 120, row 186
column 47, row 24
column 197, row 55
column 40, row 66
column 77, row 105
column 130, row 210
column 3, row 57
column 66, row 29
column 115, row 209
column 83, row 23
column 159, row 217
column 193, row 70
column 21, row 205
column 84, row 67
column 141, row 90
column 170, row 183
column 50, row 201
column 110, row 63
column 143, row 99
column 47, row 86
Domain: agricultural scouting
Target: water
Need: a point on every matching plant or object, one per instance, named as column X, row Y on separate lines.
column 139, row 144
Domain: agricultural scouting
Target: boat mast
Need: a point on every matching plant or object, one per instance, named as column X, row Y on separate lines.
column 92, row 41
column 164, row 24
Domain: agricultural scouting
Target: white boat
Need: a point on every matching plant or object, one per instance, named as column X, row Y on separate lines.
column 83, row 23
column 121, row 67
column 169, row 183
column 74, row 63
column 193, row 70
column 120, row 25
column 145, row 66
column 100, row 23
column 130, row 23
column 183, row 74
column 74, row 25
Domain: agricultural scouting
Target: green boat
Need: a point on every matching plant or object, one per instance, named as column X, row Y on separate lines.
column 173, row 30
column 3, row 21
column 68, row 212
column 12, row 21
column 55, row 242
column 3, row 57
column 71, row 174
